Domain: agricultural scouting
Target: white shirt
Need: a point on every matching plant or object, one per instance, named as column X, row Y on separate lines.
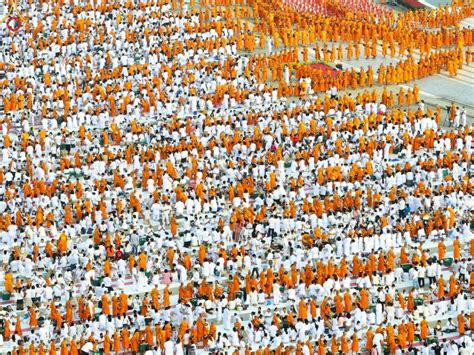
column 179, row 349
column 169, row 348
column 179, row 208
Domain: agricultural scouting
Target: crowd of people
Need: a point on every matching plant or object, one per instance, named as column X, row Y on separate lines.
column 174, row 180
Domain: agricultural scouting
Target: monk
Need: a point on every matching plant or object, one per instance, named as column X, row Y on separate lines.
column 424, row 329
column 9, row 283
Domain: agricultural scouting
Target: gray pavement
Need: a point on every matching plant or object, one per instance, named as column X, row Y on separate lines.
column 438, row 2
column 440, row 86
column 439, row 89
column 445, row 88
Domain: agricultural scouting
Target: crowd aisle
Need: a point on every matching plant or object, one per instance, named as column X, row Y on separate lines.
column 175, row 179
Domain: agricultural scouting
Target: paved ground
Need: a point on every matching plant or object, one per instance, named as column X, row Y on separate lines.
column 445, row 88
column 436, row 3
column 458, row 89
column 439, row 89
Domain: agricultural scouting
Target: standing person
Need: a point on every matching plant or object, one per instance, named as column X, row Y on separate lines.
column 421, row 276
column 463, row 119
column 236, row 232
column 431, row 272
